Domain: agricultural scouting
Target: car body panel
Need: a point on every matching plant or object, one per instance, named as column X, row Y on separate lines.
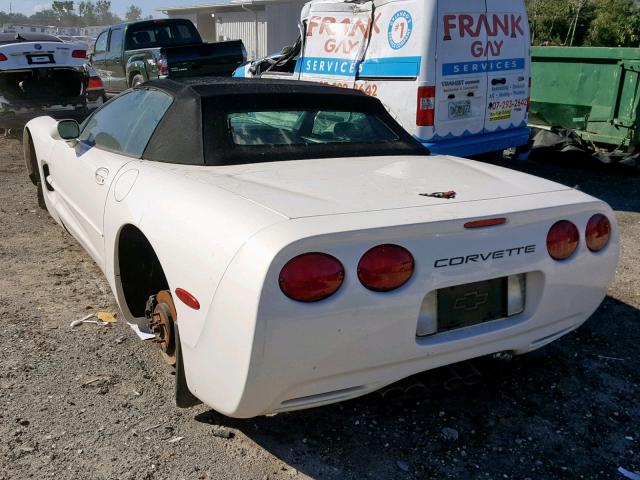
column 333, row 186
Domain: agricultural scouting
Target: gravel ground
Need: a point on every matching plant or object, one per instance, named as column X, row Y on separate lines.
column 94, row 402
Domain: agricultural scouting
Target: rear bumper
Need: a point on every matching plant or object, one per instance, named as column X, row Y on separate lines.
column 260, row 353
column 480, row 144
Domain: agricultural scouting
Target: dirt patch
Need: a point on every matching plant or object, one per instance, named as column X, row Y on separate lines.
column 94, row 402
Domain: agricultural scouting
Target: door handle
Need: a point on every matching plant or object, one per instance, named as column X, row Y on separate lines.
column 101, row 175
column 499, row 81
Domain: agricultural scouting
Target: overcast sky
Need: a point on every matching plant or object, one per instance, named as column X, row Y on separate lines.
column 118, row 6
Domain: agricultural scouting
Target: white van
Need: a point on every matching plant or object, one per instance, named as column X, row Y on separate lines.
column 454, row 73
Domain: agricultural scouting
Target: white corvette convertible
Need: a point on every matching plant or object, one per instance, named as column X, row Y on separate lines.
column 292, row 246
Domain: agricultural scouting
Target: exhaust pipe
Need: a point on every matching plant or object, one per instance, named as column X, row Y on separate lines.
column 469, row 373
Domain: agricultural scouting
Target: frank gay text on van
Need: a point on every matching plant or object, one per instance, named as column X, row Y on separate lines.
column 344, row 34
column 472, row 26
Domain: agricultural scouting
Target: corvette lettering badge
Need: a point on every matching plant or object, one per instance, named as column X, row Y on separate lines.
column 485, row 256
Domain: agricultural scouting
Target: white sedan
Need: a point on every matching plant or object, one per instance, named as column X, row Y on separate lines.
column 41, row 75
column 292, row 246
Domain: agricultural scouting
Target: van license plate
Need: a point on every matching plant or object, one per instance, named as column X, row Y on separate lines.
column 466, row 305
column 461, row 109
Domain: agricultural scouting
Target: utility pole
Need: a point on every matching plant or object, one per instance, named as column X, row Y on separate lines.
column 575, row 24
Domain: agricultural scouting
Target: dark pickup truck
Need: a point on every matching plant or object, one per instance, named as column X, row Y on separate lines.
column 131, row 53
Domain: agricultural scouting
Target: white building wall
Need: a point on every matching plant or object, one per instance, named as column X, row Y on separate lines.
column 282, row 25
column 233, row 25
column 187, row 16
column 277, row 24
column 206, row 26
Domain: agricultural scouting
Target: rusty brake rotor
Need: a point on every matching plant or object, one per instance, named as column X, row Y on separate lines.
column 162, row 323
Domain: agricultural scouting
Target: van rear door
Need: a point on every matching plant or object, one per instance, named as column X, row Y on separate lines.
column 336, row 39
column 461, row 75
column 509, row 56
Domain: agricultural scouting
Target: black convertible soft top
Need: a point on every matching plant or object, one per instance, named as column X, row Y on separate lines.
column 195, row 129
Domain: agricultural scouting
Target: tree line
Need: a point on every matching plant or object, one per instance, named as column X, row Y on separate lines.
column 74, row 14
column 598, row 23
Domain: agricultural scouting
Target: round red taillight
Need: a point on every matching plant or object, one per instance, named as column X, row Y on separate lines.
column 562, row 240
column 311, row 277
column 385, row 268
column 598, row 232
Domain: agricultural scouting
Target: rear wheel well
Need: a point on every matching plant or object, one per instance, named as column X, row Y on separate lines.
column 141, row 274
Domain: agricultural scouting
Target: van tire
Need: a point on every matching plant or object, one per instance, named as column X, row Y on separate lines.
column 137, row 80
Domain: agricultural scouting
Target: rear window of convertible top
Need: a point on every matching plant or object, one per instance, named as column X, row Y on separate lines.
column 306, row 127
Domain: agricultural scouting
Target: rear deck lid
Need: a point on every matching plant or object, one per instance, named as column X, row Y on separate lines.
column 40, row 55
column 349, row 185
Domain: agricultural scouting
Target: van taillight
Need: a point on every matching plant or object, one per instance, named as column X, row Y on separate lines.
column 529, row 97
column 3, row 57
column 426, row 106
column 95, row 83
column 311, row 277
column 79, row 54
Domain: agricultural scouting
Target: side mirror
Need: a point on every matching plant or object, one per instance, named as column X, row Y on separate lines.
column 66, row 130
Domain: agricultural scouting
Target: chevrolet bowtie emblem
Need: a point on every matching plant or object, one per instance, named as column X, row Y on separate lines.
column 471, row 301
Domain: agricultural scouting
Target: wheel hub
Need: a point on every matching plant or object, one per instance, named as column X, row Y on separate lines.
column 162, row 323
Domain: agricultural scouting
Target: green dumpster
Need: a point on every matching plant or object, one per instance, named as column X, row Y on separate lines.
column 594, row 92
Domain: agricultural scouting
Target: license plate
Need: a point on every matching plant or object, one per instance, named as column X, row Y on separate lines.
column 466, row 305
column 39, row 59
column 461, row 109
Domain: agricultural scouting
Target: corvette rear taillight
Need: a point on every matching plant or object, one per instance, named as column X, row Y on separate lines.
column 598, row 232
column 79, row 54
column 562, row 240
column 311, row 277
column 95, row 83
column 385, row 268
column 426, row 112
